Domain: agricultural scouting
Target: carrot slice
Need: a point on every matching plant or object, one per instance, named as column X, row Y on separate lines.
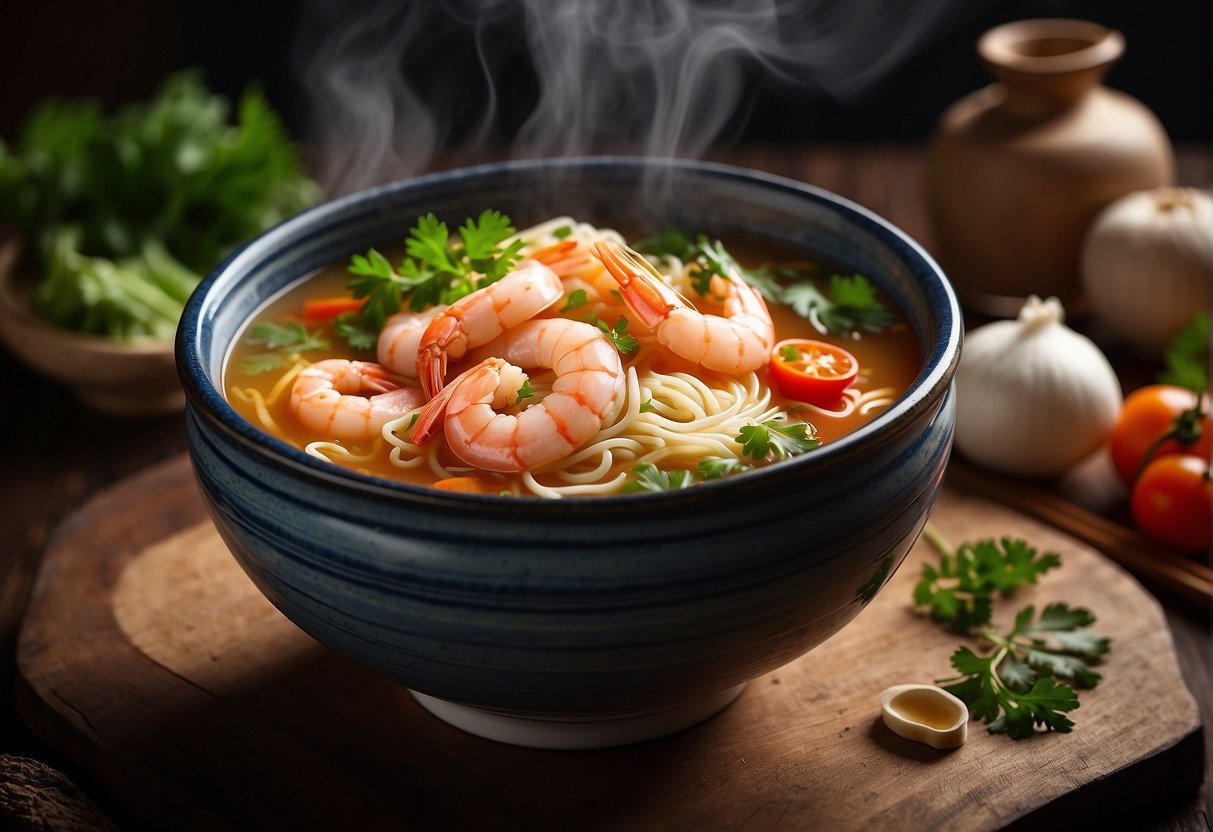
column 468, row 485
column 323, row 309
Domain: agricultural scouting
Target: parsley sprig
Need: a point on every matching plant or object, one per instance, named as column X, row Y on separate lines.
column 648, row 477
column 436, row 269
column 773, row 438
column 959, row 591
column 1016, row 687
column 618, row 335
column 284, row 340
column 849, row 304
column 1024, row 682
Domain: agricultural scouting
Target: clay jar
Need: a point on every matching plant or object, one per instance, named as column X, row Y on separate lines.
column 1018, row 170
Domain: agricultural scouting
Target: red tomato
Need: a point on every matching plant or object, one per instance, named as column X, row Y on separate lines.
column 1147, row 414
column 1172, row 502
column 812, row 371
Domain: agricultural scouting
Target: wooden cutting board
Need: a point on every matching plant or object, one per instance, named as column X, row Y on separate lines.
column 150, row 661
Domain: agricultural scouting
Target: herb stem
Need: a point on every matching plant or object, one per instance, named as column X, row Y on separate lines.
column 937, row 540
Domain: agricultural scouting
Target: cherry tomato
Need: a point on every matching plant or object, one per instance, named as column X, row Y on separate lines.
column 1147, row 414
column 1172, row 502
column 812, row 371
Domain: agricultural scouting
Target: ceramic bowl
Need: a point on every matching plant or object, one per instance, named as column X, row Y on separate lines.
column 112, row 378
column 575, row 623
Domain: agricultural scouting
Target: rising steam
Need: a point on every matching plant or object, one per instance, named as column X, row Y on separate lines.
column 391, row 84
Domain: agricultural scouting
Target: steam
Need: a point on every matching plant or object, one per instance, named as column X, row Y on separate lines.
column 392, row 84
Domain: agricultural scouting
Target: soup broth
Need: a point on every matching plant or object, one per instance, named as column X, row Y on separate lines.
column 657, row 384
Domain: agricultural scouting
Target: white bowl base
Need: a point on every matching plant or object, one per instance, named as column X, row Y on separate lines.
column 572, row 733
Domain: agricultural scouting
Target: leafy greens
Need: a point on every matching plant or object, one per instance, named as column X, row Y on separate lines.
column 125, row 213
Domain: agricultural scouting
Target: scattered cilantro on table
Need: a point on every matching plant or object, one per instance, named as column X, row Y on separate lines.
column 1024, row 682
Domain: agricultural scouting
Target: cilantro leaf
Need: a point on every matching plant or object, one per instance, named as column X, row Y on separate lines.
column 1187, row 356
column 772, row 438
column 1017, row 687
column 262, row 363
column 435, row 270
column 850, row 304
column 357, row 333
column 648, row 477
column 289, row 336
column 525, row 391
column 714, row 467
column 576, row 299
column 668, row 243
column 619, row 335
column 959, row 591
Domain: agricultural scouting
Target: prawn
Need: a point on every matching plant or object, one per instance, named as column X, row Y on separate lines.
column 736, row 342
column 483, row 315
column 589, row 377
column 400, row 340
column 350, row 400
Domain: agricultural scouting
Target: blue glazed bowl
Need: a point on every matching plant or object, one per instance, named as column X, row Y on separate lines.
column 575, row 623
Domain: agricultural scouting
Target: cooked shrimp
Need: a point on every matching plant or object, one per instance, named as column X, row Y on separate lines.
column 400, row 340
column 483, row 315
column 353, row 400
column 589, row 377
column 737, row 342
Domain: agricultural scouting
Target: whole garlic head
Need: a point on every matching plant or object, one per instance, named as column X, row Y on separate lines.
column 1147, row 264
column 1033, row 397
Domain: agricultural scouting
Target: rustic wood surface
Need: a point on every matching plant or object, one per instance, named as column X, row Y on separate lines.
column 150, row 659
column 55, row 456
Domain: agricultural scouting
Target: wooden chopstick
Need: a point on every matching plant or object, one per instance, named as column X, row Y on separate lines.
column 1183, row 578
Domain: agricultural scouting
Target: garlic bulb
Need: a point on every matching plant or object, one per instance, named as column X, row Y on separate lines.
column 1147, row 264
column 1033, row 397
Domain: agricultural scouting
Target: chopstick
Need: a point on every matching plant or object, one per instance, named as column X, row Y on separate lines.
column 1183, row 578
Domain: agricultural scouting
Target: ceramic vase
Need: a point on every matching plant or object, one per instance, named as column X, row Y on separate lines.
column 1019, row 169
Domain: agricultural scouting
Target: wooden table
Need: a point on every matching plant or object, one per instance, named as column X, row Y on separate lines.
column 55, row 456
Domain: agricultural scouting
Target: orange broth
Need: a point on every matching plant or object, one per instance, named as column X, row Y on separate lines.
column 890, row 358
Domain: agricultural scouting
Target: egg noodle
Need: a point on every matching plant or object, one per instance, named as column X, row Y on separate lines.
column 663, row 416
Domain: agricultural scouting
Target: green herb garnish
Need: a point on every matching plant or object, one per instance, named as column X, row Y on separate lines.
column 292, row 336
column 647, row 406
column 576, row 299
column 959, row 591
column 648, row 477
column 714, row 467
column 772, row 438
column 525, row 391
column 562, row 232
column 619, row 335
column 435, row 269
column 1016, row 687
column 849, row 304
column 789, row 353
column 287, row 339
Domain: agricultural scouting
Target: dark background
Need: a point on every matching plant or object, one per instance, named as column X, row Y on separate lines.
column 118, row 51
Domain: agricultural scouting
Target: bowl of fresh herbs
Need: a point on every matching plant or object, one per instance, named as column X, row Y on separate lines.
column 117, row 218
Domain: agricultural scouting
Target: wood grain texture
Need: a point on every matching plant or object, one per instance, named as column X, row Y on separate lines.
column 148, row 659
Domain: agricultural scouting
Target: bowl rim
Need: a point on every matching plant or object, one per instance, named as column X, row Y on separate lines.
column 927, row 391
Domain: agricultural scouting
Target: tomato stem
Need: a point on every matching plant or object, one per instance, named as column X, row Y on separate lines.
column 1186, row 430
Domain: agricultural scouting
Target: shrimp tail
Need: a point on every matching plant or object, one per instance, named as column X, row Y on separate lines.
column 639, row 284
column 432, row 414
column 440, row 336
column 553, row 253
